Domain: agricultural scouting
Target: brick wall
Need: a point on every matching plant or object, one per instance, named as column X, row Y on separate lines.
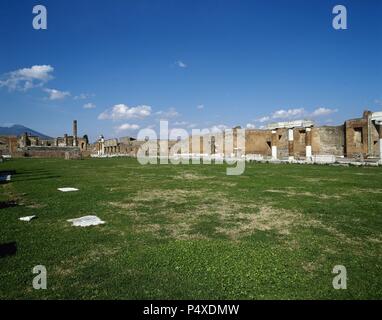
column 328, row 140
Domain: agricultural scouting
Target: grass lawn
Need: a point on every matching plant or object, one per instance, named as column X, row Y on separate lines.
column 191, row 231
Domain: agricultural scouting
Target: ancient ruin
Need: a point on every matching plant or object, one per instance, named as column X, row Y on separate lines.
column 299, row 140
column 27, row 145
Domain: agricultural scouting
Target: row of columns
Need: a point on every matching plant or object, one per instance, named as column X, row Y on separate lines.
column 111, row 150
column 102, row 149
column 101, row 146
column 308, row 143
column 66, row 141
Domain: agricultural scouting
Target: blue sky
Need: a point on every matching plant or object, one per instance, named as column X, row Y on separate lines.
column 197, row 63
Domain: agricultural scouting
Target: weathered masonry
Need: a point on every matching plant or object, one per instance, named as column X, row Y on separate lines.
column 28, row 145
column 363, row 136
column 302, row 140
column 359, row 139
column 291, row 140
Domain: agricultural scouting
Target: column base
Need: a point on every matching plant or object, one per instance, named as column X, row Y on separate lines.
column 274, row 153
column 308, row 151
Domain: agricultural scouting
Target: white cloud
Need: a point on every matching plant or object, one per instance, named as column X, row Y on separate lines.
column 250, row 126
column 181, row 64
column 290, row 113
column 180, row 123
column 122, row 111
column 89, row 105
column 263, row 119
column 218, row 128
column 56, row 94
column 27, row 78
column 83, row 96
column 323, row 112
column 293, row 114
column 185, row 124
column 170, row 113
column 200, row 106
column 127, row 126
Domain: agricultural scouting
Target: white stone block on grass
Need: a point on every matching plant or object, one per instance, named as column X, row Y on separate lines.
column 86, row 221
column 7, row 177
column 27, row 219
column 67, row 189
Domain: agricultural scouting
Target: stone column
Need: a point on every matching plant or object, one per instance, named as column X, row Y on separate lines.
column 66, row 139
column 102, row 146
column 290, row 144
column 274, row 144
column 24, row 140
column 213, row 146
column 75, row 139
column 99, row 148
column 308, row 143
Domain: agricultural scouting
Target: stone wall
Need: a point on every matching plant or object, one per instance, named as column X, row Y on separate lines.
column 8, row 145
column 282, row 143
column 50, row 152
column 356, row 137
column 362, row 137
column 328, row 140
column 258, row 142
column 375, row 141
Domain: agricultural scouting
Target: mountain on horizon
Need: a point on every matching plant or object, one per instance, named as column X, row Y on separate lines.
column 18, row 130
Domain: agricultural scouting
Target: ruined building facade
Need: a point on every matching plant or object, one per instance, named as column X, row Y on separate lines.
column 291, row 140
column 28, row 145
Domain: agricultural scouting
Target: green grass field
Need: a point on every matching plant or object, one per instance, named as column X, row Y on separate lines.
column 191, row 231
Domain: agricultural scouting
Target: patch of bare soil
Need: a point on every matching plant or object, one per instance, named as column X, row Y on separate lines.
column 265, row 218
column 367, row 190
column 234, row 218
column 190, row 176
column 296, row 193
column 179, row 230
column 315, row 180
column 69, row 266
column 175, row 195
